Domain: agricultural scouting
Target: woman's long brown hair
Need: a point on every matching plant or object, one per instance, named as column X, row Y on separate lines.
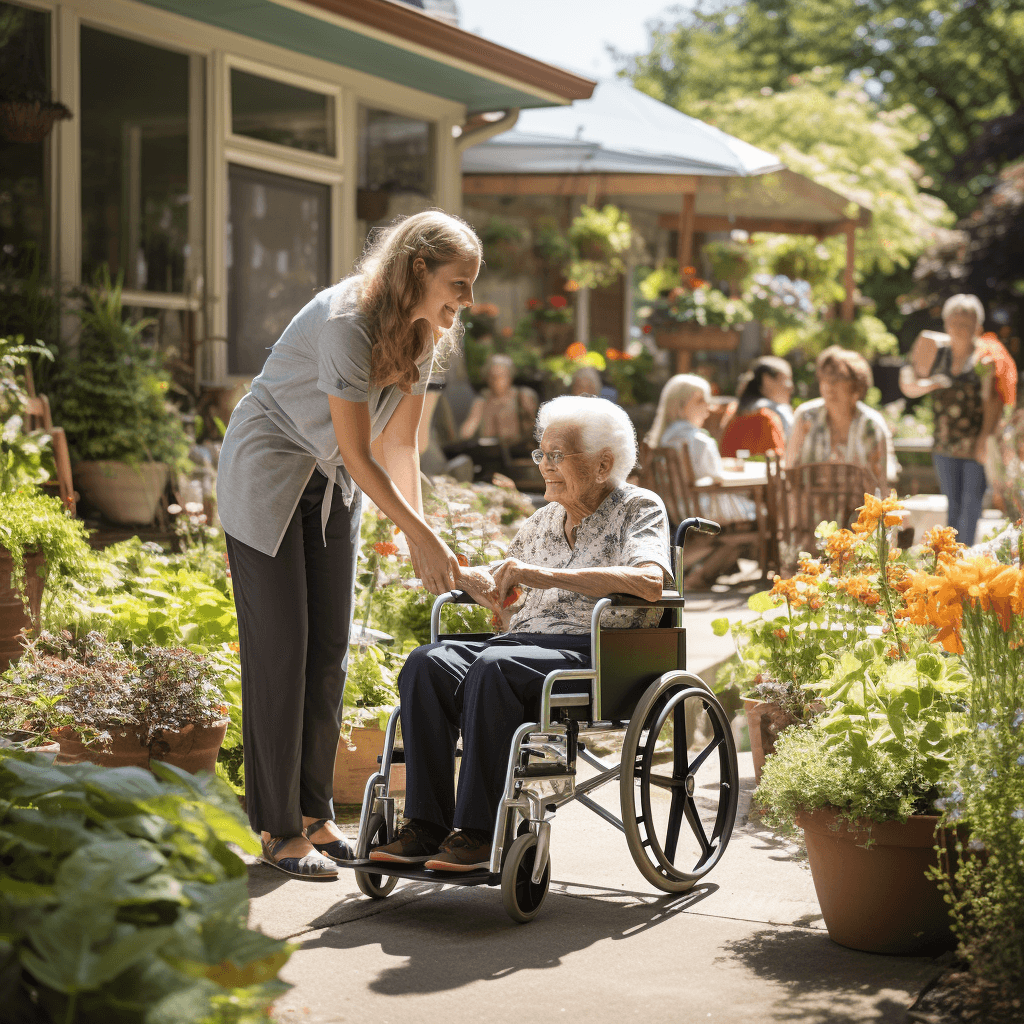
column 390, row 290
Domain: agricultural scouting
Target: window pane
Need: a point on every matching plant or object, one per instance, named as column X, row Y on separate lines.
column 277, row 256
column 135, row 161
column 396, row 167
column 274, row 112
column 24, row 166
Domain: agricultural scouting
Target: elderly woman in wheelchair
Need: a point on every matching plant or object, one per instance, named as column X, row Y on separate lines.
column 505, row 693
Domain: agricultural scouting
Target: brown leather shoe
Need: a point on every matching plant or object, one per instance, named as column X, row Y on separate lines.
column 416, row 842
column 466, row 850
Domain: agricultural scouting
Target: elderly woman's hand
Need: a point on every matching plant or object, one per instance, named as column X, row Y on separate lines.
column 480, row 586
column 507, row 576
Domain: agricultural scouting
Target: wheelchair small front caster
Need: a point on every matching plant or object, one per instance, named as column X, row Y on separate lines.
column 376, row 885
column 521, row 896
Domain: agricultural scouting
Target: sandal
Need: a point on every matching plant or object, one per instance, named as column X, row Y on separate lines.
column 313, row 866
column 337, row 849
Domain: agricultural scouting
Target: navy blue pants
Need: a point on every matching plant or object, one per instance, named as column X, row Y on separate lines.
column 488, row 689
column 963, row 482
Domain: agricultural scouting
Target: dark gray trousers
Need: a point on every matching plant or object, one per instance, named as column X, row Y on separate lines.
column 489, row 689
column 294, row 614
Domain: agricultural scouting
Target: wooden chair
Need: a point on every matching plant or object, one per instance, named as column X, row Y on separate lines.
column 669, row 473
column 37, row 417
column 801, row 497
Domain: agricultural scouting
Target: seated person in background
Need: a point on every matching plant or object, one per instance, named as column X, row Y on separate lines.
column 764, row 416
column 502, row 410
column 615, row 538
column 682, row 409
column 587, row 381
column 839, row 427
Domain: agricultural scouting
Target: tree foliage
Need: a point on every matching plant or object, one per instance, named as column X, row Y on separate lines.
column 959, row 63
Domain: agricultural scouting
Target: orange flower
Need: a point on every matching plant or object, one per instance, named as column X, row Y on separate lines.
column 577, row 350
column 385, row 548
column 860, row 589
column 889, row 510
column 689, row 271
column 234, row 646
column 781, row 634
column 570, row 286
column 513, row 595
column 613, row 354
column 462, row 559
column 811, row 567
column 942, row 540
column 840, row 549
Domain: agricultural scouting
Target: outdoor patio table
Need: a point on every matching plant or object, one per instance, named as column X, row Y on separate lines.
column 749, row 478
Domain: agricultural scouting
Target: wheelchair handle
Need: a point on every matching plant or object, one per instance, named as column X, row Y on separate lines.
column 698, row 525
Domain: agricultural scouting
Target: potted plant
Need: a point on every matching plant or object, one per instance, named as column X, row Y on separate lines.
column 112, row 397
column 552, row 320
column 976, row 603
column 506, row 247
column 39, row 544
column 116, row 703
column 862, row 779
column 600, row 241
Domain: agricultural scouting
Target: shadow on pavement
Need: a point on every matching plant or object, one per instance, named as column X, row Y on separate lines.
column 459, row 937
column 819, row 973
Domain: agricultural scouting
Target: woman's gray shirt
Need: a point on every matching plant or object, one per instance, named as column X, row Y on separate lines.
column 282, row 429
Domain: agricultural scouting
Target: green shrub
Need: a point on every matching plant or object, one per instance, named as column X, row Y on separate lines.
column 120, row 900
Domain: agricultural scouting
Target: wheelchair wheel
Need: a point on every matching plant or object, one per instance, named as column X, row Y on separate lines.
column 678, row 804
column 377, row 886
column 521, row 898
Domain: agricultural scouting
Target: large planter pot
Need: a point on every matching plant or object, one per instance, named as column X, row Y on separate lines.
column 764, row 723
column 876, row 898
column 124, row 494
column 13, row 617
column 20, row 740
column 353, row 767
column 193, row 749
column 685, row 339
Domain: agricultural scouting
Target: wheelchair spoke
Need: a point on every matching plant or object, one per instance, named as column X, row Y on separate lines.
column 666, row 783
column 703, row 755
column 697, row 827
column 675, row 817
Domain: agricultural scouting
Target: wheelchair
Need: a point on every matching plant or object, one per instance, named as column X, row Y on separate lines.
column 677, row 808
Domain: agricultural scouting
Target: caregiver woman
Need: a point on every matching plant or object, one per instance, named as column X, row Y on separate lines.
column 334, row 412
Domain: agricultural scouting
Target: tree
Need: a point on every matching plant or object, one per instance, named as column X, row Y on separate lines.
column 958, row 63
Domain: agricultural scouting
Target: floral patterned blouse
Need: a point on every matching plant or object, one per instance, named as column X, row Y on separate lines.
column 629, row 528
column 868, row 442
column 960, row 408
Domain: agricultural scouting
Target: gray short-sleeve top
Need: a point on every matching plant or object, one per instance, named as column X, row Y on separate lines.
column 281, row 431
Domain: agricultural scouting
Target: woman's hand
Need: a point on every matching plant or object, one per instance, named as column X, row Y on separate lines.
column 434, row 563
column 480, row 586
column 507, row 576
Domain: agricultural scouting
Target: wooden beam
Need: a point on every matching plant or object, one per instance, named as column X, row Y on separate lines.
column 848, row 284
column 684, row 225
column 577, row 184
column 776, row 225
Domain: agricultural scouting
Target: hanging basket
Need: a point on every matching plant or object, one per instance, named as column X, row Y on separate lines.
column 29, row 120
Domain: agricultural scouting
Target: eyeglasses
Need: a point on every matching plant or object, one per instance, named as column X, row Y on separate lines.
column 554, row 458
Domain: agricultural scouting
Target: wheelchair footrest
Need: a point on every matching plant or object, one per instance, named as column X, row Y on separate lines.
column 415, row 871
column 544, row 771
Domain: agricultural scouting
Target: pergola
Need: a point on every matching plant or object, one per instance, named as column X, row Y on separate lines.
column 621, row 146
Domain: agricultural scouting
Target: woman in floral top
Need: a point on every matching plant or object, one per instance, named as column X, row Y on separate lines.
column 839, row 427
column 966, row 376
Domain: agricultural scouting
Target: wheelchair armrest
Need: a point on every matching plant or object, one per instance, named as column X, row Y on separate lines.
column 459, row 597
column 668, row 599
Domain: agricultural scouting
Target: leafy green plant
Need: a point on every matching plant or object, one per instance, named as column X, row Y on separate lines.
column 31, row 521
column 702, row 306
column 121, row 900
column 600, row 240
column 730, row 261
column 93, row 685
column 112, row 396
column 25, row 457
column 506, row 246
column 30, row 307
column 550, row 243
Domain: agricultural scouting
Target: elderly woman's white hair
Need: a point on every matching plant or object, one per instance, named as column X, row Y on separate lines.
column 677, row 391
column 601, row 424
column 964, row 303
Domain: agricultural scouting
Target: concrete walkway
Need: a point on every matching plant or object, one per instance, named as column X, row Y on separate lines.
column 746, row 945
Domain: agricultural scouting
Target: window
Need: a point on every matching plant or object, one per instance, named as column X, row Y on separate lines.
column 278, row 258
column 396, row 167
column 271, row 111
column 24, row 166
column 135, row 161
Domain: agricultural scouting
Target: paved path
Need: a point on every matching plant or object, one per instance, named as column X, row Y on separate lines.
column 748, row 945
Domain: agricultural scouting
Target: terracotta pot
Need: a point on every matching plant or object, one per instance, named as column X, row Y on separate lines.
column 193, row 749
column 12, row 607
column 124, row 494
column 19, row 740
column 877, row 898
column 764, row 723
column 353, row 767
